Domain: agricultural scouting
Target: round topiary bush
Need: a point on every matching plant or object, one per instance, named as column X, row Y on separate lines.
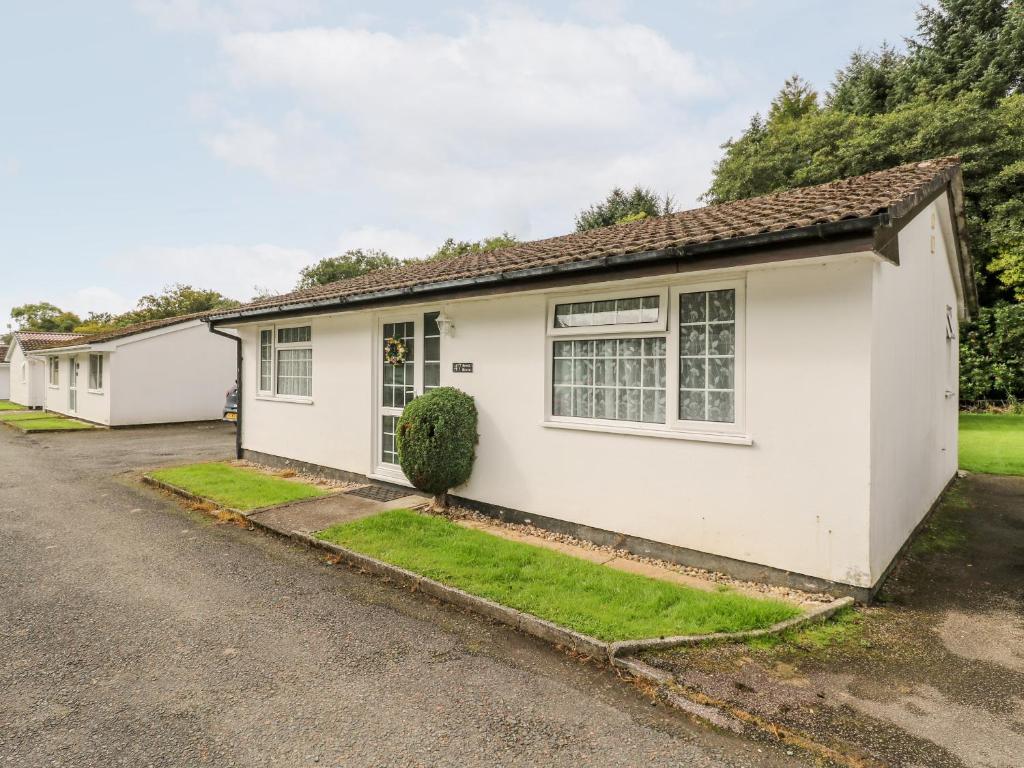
column 436, row 440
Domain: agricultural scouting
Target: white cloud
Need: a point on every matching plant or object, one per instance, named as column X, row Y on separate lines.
column 513, row 122
column 94, row 298
column 238, row 270
column 299, row 151
column 234, row 270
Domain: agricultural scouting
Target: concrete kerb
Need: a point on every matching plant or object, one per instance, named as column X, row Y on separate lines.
column 22, row 431
column 815, row 615
column 546, row 630
column 531, row 625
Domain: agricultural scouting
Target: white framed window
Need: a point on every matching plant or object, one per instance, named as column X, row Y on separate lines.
column 96, row 373
column 620, row 379
column 676, row 369
column 638, row 312
column 53, row 364
column 431, row 351
column 950, row 324
column 266, row 381
column 286, row 362
column 709, row 347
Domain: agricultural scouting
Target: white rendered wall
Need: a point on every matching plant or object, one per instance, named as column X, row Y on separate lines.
column 92, row 406
column 334, row 431
column 177, row 374
column 914, row 423
column 797, row 499
column 5, row 381
column 30, row 392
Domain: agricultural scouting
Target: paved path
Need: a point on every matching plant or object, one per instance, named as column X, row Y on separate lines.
column 134, row 633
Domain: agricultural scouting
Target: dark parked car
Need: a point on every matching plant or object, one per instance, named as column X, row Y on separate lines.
column 231, row 404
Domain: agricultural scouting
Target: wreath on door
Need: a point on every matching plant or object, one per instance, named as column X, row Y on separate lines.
column 394, row 351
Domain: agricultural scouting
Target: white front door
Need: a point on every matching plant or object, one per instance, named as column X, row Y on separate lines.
column 73, row 384
column 399, row 384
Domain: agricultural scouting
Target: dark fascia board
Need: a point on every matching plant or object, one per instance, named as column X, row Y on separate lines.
column 955, row 192
column 853, row 230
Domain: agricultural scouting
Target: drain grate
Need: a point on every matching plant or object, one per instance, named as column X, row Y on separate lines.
column 378, row 493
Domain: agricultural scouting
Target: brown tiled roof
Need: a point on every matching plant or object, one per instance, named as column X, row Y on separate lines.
column 859, row 197
column 33, row 340
column 128, row 330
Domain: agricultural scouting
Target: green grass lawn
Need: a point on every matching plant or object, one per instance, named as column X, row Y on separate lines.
column 236, row 487
column 25, row 415
column 7, row 405
column 992, row 443
column 575, row 593
column 35, row 421
column 57, row 423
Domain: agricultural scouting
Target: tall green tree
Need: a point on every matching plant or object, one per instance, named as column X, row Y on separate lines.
column 956, row 91
column 620, row 207
column 351, row 263
column 884, row 109
column 967, row 45
column 796, row 100
column 174, row 300
column 451, row 247
column 872, row 82
column 96, row 322
column 44, row 316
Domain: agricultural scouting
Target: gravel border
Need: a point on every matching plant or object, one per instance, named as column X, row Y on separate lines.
column 791, row 594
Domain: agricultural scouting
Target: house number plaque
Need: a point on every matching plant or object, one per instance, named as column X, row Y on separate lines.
column 462, row 367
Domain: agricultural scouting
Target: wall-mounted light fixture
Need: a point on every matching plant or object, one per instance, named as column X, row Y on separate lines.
column 445, row 324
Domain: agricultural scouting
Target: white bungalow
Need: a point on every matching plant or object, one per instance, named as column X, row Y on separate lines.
column 162, row 371
column 26, row 375
column 766, row 387
column 5, row 374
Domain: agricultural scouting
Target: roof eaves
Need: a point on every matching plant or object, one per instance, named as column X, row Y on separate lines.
column 845, row 227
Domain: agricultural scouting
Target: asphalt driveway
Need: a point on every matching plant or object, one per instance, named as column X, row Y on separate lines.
column 133, row 632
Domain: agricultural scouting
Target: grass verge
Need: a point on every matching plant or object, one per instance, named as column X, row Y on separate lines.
column 584, row 596
column 7, row 405
column 236, row 487
column 27, row 415
column 52, row 424
column 844, row 628
column 38, row 421
column 992, row 443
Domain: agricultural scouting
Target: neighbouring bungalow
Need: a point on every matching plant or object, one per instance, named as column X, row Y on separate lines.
column 161, row 371
column 5, row 374
column 26, row 375
column 766, row 388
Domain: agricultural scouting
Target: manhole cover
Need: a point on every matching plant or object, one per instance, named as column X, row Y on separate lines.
column 378, row 493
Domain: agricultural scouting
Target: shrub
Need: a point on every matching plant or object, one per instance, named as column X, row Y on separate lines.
column 992, row 355
column 437, row 441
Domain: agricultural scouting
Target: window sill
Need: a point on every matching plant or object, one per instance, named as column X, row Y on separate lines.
column 701, row 437
column 95, row 391
column 284, row 399
column 50, row 386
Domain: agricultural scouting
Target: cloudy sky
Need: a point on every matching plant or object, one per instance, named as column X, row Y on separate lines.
column 228, row 143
